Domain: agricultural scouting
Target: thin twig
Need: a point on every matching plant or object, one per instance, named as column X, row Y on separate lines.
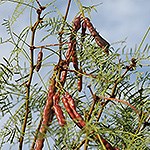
column 93, row 103
column 38, row 3
column 36, row 134
column 121, row 101
column 49, row 45
column 117, row 82
column 100, row 111
column 80, row 144
column 28, row 84
column 100, row 141
column 62, row 29
column 86, row 144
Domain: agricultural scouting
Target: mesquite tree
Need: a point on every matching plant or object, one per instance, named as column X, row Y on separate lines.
column 65, row 87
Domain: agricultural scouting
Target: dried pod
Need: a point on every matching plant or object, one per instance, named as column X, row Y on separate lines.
column 39, row 60
column 70, row 100
column 82, row 123
column 80, row 81
column 64, row 67
column 63, row 76
column 73, row 55
column 56, row 98
column 59, row 115
column 79, row 120
column 51, row 90
column 75, row 28
column 71, row 46
column 98, row 39
column 71, row 112
column 77, row 23
column 47, row 114
column 68, row 53
column 74, row 59
column 83, row 32
column 67, row 107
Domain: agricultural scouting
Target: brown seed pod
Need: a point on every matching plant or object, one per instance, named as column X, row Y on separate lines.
column 64, row 67
column 76, row 27
column 72, row 44
column 39, row 60
column 74, row 59
column 77, row 23
column 51, row 90
column 47, row 114
column 59, row 115
column 80, row 81
column 83, row 31
column 70, row 100
column 70, row 112
column 98, row 39
column 63, row 76
column 67, row 107
column 56, row 98
column 68, row 53
column 78, row 117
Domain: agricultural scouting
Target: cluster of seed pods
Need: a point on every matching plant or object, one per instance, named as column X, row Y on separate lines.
column 71, row 52
column 47, row 114
column 71, row 55
column 70, row 107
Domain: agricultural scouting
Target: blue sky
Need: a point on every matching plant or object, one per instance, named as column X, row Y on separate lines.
column 115, row 20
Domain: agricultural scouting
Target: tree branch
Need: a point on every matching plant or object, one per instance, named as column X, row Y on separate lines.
column 28, row 84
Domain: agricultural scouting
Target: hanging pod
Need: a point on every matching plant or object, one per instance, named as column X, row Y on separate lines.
column 39, row 60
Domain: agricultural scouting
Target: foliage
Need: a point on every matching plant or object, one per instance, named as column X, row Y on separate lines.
column 115, row 97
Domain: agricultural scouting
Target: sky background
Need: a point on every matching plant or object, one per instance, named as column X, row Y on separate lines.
column 115, row 20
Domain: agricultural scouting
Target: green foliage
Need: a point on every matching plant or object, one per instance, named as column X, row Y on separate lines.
column 19, row 9
column 124, row 126
column 52, row 26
